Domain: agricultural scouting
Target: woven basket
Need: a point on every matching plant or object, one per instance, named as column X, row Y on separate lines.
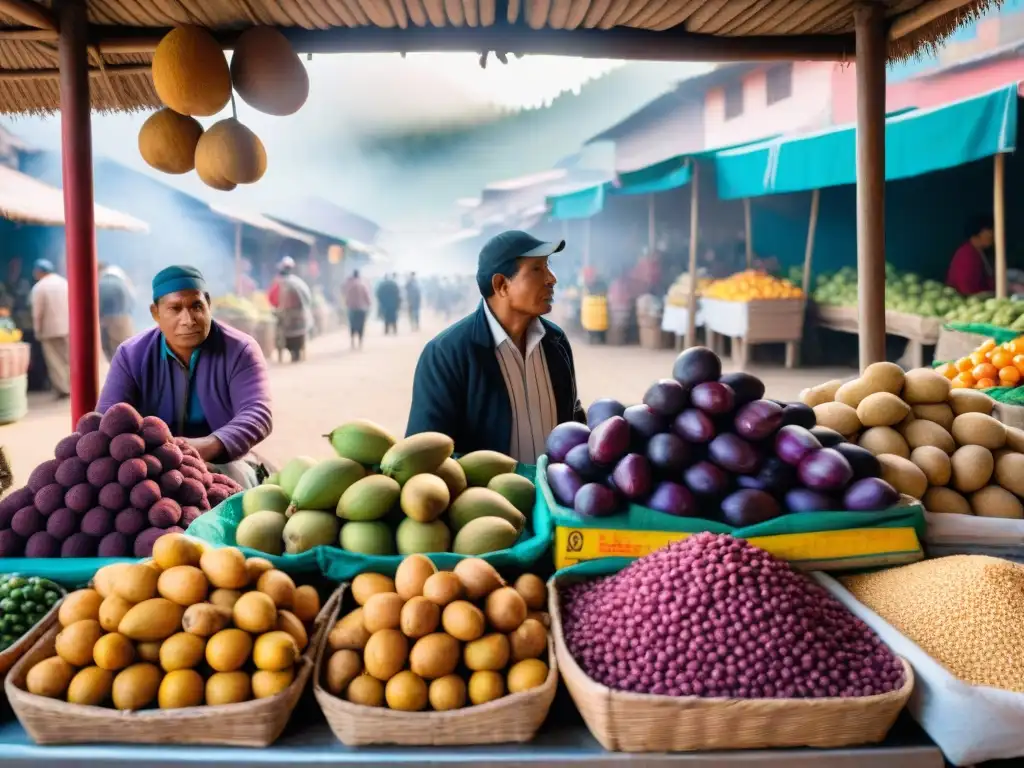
column 510, row 719
column 250, row 724
column 10, row 657
column 635, row 722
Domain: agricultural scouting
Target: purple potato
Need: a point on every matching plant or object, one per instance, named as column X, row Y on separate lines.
column 11, row 544
column 644, row 423
column 793, row 444
column 12, row 502
column 43, row 475
column 666, row 397
column 706, row 479
column 79, row 545
column 694, row 426
column 132, row 472
column 164, row 513
column 747, row 388
column 749, row 507
column 776, row 476
column 42, row 544
column 562, row 439
column 188, row 515
column 115, row 545
column 564, row 483
column 207, row 479
column 632, row 476
column 799, row 414
column 218, row 493
column 602, row 410
column 696, row 365
column 62, row 523
column 90, row 422
column 806, row 500
column 825, row 470
column 870, row 495
column 190, row 472
column 71, row 472
column 92, row 446
column 153, row 466
column 113, row 496
column 146, row 494
column 80, row 498
column 734, row 454
column 155, row 431
column 195, row 462
column 609, row 441
column 672, row 499
column 169, row 455
column 596, row 500
column 144, row 541
column 758, row 420
column 668, row 453
column 713, row 397
column 130, row 521
column 827, row 436
column 49, row 498
column 27, row 521
column 102, row 471
column 98, row 522
column 124, row 447
column 862, row 461
column 170, row 482
column 579, row 459
column 191, row 493
column 120, row 419
column 751, row 481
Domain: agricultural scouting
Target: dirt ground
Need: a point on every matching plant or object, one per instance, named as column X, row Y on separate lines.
column 336, row 384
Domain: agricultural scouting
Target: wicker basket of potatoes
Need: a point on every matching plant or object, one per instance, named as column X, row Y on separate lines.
column 938, row 444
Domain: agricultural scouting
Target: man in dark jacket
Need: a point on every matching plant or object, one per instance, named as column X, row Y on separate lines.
column 503, row 377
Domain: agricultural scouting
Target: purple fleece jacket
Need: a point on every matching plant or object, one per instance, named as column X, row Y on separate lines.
column 230, row 379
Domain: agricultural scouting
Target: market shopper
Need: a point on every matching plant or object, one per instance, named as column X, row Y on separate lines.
column 117, row 301
column 206, row 380
column 52, row 324
column 413, row 298
column 503, row 377
column 356, row 295
column 970, row 270
column 389, row 299
column 294, row 309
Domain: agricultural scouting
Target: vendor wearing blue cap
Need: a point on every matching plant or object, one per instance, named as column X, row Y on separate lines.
column 502, row 378
column 207, row 381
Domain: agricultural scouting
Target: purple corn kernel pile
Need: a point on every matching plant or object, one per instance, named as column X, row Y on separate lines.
column 716, row 617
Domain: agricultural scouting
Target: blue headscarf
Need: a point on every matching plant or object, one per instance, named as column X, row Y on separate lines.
column 177, row 278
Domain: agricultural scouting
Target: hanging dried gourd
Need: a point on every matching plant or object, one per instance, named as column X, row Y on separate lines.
column 190, row 72
column 167, row 141
column 267, row 73
column 229, row 154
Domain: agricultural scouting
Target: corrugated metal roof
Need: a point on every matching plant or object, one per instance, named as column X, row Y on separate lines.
column 260, row 221
column 31, row 201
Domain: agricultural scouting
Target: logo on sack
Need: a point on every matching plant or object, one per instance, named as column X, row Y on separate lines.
column 575, row 542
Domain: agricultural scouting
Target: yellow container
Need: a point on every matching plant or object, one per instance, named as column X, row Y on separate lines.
column 594, row 314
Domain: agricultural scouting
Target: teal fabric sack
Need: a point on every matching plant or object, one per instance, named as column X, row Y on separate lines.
column 218, row 527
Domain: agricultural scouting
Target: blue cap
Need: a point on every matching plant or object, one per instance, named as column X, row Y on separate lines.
column 502, row 251
column 177, row 278
column 43, row 265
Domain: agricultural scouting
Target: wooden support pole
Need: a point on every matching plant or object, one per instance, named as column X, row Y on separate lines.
column 871, row 55
column 691, row 320
column 651, row 236
column 812, row 225
column 999, row 222
column 79, row 226
column 748, row 230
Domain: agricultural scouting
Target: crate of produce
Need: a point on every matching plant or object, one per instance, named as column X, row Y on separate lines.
column 837, row 318
column 116, row 652
column 956, row 620
column 910, row 326
column 14, row 359
column 646, row 708
column 481, row 504
column 13, row 399
column 756, row 321
column 18, row 633
column 431, row 702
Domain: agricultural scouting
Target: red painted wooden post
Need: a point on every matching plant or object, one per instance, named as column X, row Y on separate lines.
column 79, row 226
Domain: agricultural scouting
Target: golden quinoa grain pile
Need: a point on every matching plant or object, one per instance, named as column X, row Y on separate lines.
column 965, row 611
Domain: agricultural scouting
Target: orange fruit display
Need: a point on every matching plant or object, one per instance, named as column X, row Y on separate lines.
column 990, row 365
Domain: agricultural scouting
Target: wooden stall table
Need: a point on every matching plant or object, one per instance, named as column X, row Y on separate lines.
column 919, row 331
column 761, row 321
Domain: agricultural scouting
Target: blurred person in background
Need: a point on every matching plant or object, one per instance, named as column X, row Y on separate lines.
column 206, row 380
column 970, row 269
column 52, row 324
column 294, row 309
column 389, row 300
column 503, row 377
column 356, row 295
column 117, row 302
column 413, row 297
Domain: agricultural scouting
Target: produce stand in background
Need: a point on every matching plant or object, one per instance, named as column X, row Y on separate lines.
column 14, row 364
column 919, row 331
column 768, row 321
column 649, row 319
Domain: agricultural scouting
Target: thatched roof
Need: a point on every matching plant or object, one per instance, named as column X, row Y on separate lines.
column 126, row 31
column 31, row 201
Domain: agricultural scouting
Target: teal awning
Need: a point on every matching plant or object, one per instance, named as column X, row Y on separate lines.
column 578, row 204
column 660, row 177
column 917, row 142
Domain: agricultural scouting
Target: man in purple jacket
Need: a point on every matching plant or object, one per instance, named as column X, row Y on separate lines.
column 206, row 380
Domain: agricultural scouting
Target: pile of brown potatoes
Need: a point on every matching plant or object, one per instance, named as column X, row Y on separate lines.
column 187, row 628
column 934, row 443
column 440, row 640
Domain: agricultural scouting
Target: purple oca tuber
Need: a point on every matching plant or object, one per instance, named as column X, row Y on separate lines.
column 714, row 616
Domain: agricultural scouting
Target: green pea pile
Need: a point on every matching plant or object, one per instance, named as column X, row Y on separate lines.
column 23, row 604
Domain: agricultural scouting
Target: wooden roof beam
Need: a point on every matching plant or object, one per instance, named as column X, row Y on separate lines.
column 619, row 43
column 28, row 13
column 47, row 74
column 922, row 15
